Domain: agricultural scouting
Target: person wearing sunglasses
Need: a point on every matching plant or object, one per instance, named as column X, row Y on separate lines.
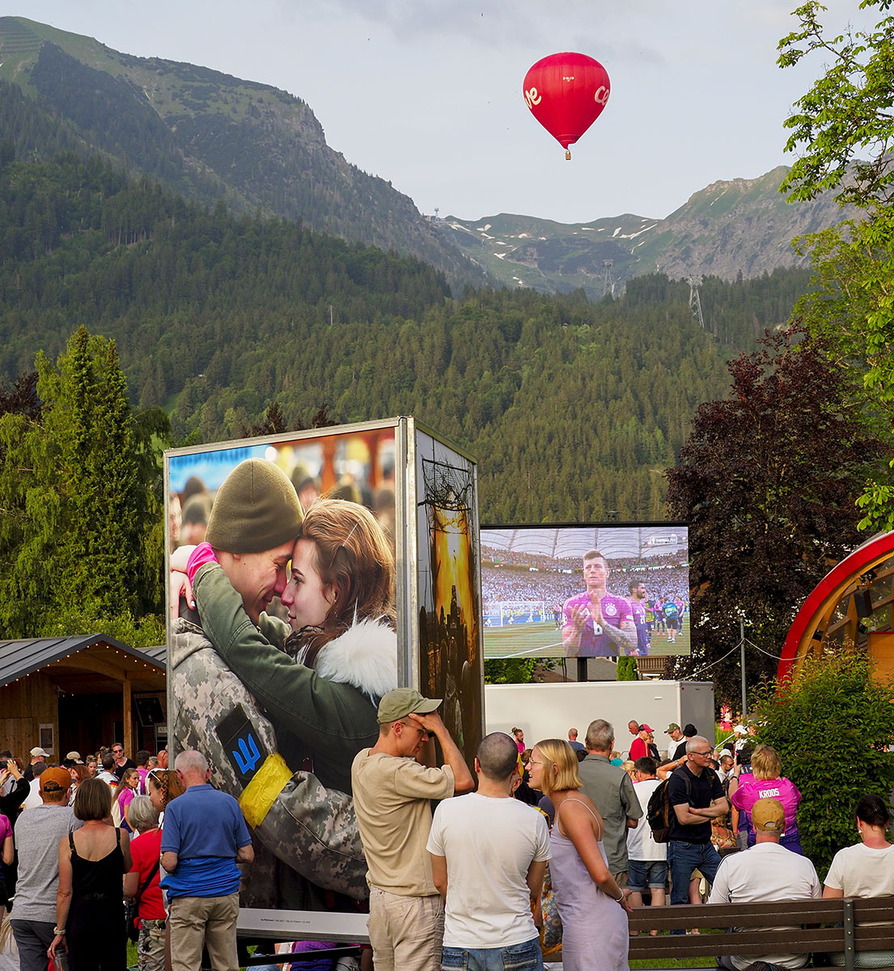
column 122, row 762
column 696, row 795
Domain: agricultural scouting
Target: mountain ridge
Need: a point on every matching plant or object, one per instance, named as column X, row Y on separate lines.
column 731, row 228
column 215, row 138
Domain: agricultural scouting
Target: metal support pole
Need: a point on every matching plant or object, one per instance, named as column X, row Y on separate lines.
column 742, row 662
column 849, row 935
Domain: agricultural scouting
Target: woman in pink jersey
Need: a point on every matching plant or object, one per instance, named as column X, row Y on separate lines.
column 767, row 782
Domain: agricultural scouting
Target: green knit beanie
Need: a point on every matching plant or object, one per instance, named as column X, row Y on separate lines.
column 255, row 509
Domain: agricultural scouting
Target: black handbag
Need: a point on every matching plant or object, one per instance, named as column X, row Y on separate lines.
column 132, row 906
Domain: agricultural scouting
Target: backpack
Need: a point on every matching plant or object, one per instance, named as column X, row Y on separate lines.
column 658, row 813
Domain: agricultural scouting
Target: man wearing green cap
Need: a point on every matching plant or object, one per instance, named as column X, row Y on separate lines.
column 392, row 798
column 309, row 831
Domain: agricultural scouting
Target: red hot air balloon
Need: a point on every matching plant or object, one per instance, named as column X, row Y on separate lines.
column 566, row 94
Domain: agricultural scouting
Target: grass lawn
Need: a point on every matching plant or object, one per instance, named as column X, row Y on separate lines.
column 541, row 639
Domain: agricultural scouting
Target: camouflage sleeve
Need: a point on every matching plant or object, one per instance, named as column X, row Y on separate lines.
column 334, row 719
column 310, row 828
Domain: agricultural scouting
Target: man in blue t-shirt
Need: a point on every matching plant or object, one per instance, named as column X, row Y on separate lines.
column 204, row 837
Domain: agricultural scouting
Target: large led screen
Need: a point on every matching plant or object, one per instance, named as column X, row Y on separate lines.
column 585, row 590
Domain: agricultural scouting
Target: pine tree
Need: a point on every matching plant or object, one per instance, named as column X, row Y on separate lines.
column 76, row 543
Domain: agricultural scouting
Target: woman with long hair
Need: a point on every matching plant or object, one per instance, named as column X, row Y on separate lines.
column 127, row 790
column 319, row 678
column 766, row 781
column 340, row 591
column 592, row 906
column 163, row 785
column 865, row 869
column 89, row 902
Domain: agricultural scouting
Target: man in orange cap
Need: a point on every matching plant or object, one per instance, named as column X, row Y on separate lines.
column 37, row 839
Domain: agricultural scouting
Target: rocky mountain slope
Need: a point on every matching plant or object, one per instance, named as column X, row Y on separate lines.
column 215, row 138
column 256, row 149
column 741, row 228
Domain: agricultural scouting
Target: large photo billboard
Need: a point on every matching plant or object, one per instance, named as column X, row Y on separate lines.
column 329, row 586
column 609, row 590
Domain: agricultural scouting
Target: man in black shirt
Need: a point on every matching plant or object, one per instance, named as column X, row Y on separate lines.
column 122, row 761
column 689, row 732
column 696, row 795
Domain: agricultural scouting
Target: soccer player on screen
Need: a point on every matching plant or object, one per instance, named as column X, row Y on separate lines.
column 638, row 608
column 672, row 619
column 596, row 623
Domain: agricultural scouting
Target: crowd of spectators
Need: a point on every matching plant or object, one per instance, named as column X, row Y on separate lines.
column 69, row 860
column 500, row 584
column 65, row 831
column 714, row 795
column 570, row 564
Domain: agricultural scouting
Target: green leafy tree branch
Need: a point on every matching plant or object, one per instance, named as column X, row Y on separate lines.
column 80, row 550
column 849, row 718
column 843, row 130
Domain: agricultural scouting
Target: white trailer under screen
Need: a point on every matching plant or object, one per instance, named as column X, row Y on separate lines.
column 549, row 710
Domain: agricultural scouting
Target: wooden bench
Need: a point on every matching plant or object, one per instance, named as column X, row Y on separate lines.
column 815, row 927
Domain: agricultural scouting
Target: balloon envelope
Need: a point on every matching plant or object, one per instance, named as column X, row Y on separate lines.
column 566, row 93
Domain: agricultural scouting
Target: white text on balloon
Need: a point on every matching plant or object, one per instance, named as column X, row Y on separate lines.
column 532, row 97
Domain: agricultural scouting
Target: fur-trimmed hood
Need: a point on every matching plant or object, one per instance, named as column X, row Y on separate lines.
column 364, row 656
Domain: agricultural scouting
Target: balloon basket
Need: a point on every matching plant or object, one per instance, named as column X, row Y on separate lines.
column 567, row 154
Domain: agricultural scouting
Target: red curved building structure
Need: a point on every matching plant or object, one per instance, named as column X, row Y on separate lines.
column 851, row 604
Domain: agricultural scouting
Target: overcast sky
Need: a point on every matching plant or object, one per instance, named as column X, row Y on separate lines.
column 428, row 93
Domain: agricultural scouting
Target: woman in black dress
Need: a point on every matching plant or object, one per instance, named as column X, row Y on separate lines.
column 89, row 904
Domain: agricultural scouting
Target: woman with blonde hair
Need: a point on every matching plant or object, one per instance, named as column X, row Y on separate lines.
column 766, row 781
column 592, row 906
column 127, row 791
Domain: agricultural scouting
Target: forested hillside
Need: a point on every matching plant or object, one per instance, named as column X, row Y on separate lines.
column 573, row 408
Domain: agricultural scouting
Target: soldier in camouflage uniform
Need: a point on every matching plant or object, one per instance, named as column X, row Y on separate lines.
column 309, row 831
column 310, row 828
